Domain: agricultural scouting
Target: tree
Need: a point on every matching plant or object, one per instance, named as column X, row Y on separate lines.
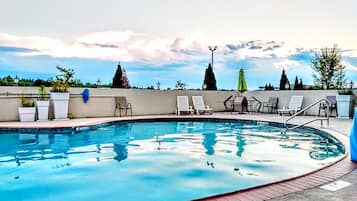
column 118, row 78
column 283, row 81
column 329, row 70
column 301, row 85
column 269, row 87
column 210, row 80
column 125, row 79
column 340, row 78
column 296, row 83
column 180, row 85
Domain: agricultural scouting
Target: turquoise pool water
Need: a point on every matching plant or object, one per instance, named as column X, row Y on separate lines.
column 155, row 161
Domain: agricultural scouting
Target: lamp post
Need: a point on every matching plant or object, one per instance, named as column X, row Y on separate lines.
column 98, row 83
column 212, row 49
column 16, row 80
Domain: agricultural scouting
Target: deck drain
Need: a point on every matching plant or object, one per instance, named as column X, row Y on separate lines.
column 336, row 185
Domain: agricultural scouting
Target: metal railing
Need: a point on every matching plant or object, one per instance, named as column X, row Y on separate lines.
column 327, row 114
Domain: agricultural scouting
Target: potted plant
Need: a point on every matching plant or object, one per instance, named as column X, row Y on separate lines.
column 344, row 103
column 27, row 110
column 59, row 93
column 42, row 105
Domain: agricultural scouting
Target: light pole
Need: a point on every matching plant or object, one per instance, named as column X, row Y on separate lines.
column 16, row 80
column 212, row 49
column 98, row 83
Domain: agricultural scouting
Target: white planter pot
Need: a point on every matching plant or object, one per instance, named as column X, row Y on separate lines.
column 60, row 105
column 344, row 106
column 27, row 113
column 42, row 110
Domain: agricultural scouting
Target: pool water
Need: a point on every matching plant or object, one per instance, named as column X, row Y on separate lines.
column 155, row 161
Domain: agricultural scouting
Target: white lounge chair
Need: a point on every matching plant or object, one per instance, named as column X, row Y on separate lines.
column 294, row 105
column 183, row 106
column 200, row 106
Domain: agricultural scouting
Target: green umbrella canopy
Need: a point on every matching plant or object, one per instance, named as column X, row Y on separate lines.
column 242, row 84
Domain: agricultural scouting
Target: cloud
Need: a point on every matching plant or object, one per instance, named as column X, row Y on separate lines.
column 350, row 66
column 15, row 49
column 188, row 54
column 100, row 45
column 286, row 64
column 106, row 38
column 129, row 46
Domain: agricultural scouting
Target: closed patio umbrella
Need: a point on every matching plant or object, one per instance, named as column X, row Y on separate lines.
column 242, row 84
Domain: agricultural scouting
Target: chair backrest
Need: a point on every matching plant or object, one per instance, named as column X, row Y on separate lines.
column 182, row 102
column 331, row 99
column 198, row 102
column 240, row 100
column 273, row 101
column 121, row 100
column 296, row 102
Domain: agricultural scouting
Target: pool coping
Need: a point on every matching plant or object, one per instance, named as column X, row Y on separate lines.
column 318, row 177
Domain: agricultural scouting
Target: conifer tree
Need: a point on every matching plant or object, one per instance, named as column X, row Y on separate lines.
column 125, row 80
column 296, row 83
column 118, row 78
column 210, row 80
column 283, row 81
column 301, row 85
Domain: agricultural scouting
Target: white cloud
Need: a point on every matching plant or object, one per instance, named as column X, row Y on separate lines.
column 130, row 46
column 286, row 64
column 106, row 38
column 350, row 66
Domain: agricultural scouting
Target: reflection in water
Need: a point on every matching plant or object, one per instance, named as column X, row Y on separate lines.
column 209, row 140
column 240, row 144
column 29, row 147
column 209, row 137
column 189, row 154
column 121, row 151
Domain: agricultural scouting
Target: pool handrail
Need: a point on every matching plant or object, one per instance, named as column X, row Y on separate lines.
column 327, row 111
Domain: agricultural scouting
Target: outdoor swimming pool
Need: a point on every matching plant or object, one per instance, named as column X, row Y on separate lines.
column 162, row 160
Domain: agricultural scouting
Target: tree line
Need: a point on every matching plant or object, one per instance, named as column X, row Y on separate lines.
column 328, row 72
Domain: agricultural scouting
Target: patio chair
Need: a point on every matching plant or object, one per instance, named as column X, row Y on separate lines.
column 271, row 105
column 258, row 104
column 200, row 106
column 228, row 103
column 333, row 105
column 183, row 106
column 240, row 104
column 122, row 104
column 294, row 105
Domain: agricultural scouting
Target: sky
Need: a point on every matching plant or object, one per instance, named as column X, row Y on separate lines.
column 167, row 40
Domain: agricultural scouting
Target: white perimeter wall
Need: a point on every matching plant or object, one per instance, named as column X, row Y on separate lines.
column 144, row 102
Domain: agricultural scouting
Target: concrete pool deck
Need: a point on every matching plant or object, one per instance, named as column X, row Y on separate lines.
column 305, row 189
